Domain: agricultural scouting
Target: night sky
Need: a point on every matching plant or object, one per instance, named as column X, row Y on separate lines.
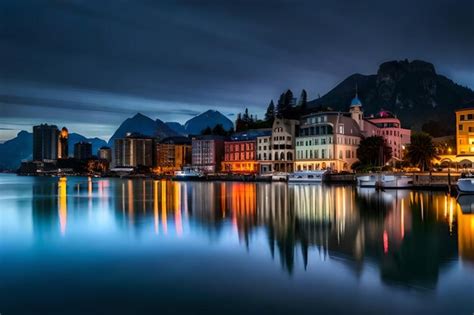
column 91, row 64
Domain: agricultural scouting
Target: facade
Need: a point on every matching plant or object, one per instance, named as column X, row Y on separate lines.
column 63, row 149
column 465, row 131
column 45, row 142
column 172, row 154
column 241, row 152
column 460, row 154
column 105, row 153
column 207, row 153
column 390, row 129
column 133, row 151
column 264, row 153
column 283, row 144
column 327, row 140
column 330, row 139
column 82, row 150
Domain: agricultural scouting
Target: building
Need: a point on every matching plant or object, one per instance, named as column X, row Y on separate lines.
column 45, row 142
column 330, row 139
column 105, row 153
column 172, row 154
column 133, row 151
column 327, row 140
column 264, row 153
column 63, row 149
column 207, row 153
column 460, row 154
column 241, row 152
column 283, row 144
column 465, row 131
column 390, row 129
column 82, row 150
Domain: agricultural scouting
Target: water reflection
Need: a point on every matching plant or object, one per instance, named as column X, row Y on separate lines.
column 410, row 236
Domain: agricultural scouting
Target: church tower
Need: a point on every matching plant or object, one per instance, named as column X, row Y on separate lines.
column 356, row 111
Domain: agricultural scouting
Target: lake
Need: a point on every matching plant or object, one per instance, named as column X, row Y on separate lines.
column 81, row 246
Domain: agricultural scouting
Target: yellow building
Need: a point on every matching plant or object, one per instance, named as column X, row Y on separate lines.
column 465, row 131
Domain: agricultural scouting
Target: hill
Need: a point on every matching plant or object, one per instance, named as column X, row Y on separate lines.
column 411, row 90
column 210, row 118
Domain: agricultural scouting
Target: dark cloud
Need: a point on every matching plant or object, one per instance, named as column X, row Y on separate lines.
column 215, row 54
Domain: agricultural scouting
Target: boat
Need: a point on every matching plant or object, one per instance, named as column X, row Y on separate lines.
column 280, row 177
column 307, row 176
column 466, row 202
column 466, row 184
column 188, row 174
column 385, row 181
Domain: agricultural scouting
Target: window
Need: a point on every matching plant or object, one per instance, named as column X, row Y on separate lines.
column 469, row 116
column 462, row 117
column 460, row 127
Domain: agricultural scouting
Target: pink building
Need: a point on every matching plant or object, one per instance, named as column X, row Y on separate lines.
column 383, row 124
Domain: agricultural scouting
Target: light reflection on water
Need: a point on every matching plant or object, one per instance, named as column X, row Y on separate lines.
column 321, row 238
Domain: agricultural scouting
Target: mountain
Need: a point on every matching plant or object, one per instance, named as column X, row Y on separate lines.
column 143, row 125
column 13, row 151
column 411, row 90
column 176, row 127
column 210, row 118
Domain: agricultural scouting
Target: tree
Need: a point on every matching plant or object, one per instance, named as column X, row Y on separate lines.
column 270, row 114
column 219, row 130
column 207, row 131
column 373, row 151
column 285, row 104
column 421, row 151
column 303, row 101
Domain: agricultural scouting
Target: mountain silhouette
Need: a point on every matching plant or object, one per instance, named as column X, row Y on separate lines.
column 411, row 90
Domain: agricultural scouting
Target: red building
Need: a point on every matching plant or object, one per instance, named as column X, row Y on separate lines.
column 241, row 152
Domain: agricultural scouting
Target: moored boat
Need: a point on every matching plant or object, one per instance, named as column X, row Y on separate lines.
column 307, row 176
column 385, row 181
column 187, row 174
column 466, row 184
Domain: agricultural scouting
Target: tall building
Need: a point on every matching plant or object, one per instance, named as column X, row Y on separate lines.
column 264, row 153
column 241, row 152
column 82, row 150
column 134, row 150
column 172, row 154
column 105, row 153
column 207, row 153
column 45, row 142
column 283, row 144
column 63, row 150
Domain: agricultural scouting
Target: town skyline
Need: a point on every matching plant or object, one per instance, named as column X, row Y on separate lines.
column 224, row 56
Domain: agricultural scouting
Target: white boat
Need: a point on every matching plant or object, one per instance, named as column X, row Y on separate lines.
column 307, row 176
column 367, row 180
column 280, row 176
column 466, row 185
column 385, row 181
column 187, row 173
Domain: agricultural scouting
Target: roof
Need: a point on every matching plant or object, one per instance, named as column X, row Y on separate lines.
column 466, row 106
column 176, row 140
column 251, row 134
column 356, row 101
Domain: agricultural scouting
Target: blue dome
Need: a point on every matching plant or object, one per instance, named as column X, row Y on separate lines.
column 356, row 101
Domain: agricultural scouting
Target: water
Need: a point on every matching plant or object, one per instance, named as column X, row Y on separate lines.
column 127, row 246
